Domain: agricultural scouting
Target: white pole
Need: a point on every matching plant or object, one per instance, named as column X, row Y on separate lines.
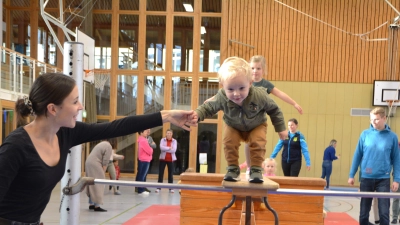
column 70, row 205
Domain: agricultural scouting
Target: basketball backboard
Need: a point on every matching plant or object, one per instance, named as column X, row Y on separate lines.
column 386, row 90
column 88, row 50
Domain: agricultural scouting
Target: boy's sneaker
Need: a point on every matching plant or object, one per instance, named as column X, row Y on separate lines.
column 233, row 173
column 144, row 193
column 158, row 190
column 256, row 175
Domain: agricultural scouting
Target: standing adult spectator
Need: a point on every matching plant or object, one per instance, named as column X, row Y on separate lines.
column 145, row 154
column 167, row 157
column 95, row 166
column 377, row 153
column 111, row 166
column 329, row 156
column 293, row 147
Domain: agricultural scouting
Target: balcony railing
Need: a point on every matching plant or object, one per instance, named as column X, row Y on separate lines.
column 18, row 72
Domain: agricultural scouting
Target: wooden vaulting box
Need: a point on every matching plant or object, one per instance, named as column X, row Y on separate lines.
column 203, row 207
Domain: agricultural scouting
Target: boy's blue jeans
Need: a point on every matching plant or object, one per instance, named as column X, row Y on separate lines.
column 372, row 185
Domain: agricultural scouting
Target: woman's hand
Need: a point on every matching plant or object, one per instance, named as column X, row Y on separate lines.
column 181, row 118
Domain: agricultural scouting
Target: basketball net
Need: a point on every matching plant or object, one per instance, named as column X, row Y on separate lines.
column 392, row 107
column 100, row 77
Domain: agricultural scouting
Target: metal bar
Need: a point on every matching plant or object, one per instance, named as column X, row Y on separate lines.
column 221, row 214
column 248, row 210
column 265, row 200
column 241, row 43
column 161, row 185
column 279, row 191
column 336, row 193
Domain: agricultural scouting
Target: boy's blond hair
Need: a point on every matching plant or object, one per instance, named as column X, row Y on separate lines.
column 379, row 111
column 232, row 67
column 260, row 59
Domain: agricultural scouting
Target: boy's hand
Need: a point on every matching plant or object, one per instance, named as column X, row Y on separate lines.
column 283, row 135
column 194, row 116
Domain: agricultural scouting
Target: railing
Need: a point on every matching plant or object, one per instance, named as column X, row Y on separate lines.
column 18, row 72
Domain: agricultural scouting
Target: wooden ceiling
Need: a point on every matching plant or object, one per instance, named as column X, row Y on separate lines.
column 74, row 15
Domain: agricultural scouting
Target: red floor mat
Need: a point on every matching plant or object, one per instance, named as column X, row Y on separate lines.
column 157, row 214
column 334, row 218
column 169, row 214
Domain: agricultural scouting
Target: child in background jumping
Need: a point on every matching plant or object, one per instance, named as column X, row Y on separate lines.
column 244, row 108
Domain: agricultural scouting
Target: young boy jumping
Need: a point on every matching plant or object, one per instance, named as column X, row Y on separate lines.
column 244, row 110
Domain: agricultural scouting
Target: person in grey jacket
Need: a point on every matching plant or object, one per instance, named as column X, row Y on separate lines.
column 244, row 108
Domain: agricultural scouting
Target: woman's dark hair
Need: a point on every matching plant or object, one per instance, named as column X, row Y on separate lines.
column 294, row 121
column 47, row 88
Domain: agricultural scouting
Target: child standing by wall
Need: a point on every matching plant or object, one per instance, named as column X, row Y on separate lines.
column 269, row 167
column 244, row 110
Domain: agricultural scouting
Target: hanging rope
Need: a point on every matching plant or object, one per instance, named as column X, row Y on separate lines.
column 362, row 36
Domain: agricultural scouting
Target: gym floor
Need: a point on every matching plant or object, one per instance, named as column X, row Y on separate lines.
column 122, row 208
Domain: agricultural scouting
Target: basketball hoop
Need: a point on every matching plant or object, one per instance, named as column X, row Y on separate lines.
column 100, row 78
column 392, row 106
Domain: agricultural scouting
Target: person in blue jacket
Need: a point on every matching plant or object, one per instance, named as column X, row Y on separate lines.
column 377, row 153
column 293, row 147
column 329, row 156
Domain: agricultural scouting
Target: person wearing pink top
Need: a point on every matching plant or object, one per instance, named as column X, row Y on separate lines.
column 145, row 155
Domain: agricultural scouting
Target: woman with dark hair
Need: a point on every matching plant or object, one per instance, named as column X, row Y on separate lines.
column 33, row 157
column 329, row 156
column 293, row 147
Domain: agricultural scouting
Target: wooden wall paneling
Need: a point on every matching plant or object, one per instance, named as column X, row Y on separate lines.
column 280, row 40
column 330, row 98
column 225, row 27
column 345, row 49
column 337, row 135
column 241, row 31
column 195, row 81
column 34, row 21
column 339, row 43
column 229, row 29
column 345, row 149
column 142, row 36
column 313, row 98
column 253, row 34
column 114, row 59
column 263, row 24
column 322, row 98
column 304, row 98
column 246, row 31
column 339, row 104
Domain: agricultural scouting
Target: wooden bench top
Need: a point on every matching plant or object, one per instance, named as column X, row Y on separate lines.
column 245, row 188
column 218, row 177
